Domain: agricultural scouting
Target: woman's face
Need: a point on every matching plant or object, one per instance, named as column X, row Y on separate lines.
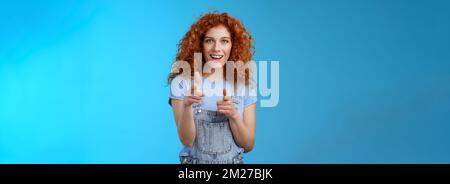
column 217, row 45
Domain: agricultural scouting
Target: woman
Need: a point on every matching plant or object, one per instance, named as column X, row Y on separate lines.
column 214, row 129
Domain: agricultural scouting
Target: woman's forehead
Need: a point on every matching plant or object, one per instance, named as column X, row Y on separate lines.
column 218, row 31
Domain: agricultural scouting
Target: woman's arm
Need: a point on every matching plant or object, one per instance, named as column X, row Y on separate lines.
column 182, row 111
column 184, row 121
column 244, row 129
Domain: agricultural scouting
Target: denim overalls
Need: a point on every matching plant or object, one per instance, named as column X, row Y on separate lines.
column 214, row 143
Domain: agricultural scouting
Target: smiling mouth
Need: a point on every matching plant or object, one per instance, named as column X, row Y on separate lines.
column 216, row 56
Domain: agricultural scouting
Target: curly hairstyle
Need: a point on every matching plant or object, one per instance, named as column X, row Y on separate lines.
column 242, row 42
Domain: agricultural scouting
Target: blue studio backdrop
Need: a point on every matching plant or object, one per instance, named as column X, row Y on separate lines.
column 361, row 81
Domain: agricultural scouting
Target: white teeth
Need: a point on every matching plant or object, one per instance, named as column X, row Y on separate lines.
column 216, row 56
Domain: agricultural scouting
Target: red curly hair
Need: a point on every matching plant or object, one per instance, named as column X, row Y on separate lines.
column 242, row 41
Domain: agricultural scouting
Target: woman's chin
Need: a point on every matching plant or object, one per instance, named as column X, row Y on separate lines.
column 216, row 64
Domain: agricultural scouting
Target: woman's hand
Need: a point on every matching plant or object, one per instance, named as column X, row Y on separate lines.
column 226, row 107
column 195, row 95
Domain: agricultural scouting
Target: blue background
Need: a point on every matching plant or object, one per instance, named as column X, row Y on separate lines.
column 360, row 81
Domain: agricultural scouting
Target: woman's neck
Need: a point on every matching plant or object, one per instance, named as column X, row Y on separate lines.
column 216, row 75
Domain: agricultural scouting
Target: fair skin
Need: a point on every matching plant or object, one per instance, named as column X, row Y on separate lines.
column 216, row 49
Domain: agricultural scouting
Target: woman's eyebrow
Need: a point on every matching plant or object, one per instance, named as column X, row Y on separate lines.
column 209, row 37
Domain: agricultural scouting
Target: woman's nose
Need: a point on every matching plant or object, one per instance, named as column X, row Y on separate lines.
column 216, row 47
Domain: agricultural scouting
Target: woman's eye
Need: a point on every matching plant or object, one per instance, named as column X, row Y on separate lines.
column 225, row 41
column 209, row 41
